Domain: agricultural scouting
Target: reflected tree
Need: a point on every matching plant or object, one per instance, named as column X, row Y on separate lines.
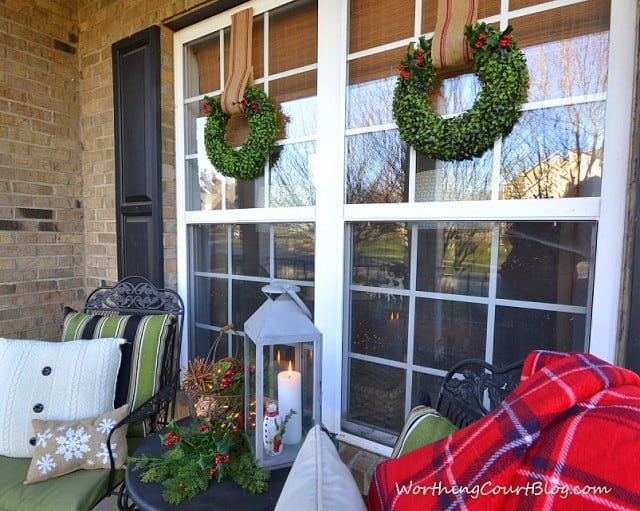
column 553, row 152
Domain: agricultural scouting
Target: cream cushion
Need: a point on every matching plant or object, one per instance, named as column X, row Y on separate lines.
column 319, row 480
column 53, row 381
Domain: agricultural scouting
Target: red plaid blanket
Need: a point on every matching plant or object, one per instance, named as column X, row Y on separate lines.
column 567, row 438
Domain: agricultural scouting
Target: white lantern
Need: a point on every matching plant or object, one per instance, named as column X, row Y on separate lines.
column 283, row 354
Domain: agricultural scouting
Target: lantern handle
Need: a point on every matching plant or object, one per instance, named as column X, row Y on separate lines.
column 281, row 287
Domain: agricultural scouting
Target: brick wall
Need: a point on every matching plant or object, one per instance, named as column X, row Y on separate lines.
column 57, row 190
column 41, row 206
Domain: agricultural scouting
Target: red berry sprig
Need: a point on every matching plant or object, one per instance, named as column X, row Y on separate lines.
column 170, row 439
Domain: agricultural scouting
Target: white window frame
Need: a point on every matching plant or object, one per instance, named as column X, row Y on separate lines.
column 331, row 214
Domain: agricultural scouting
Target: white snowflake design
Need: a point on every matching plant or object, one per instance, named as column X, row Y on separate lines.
column 41, row 438
column 106, row 425
column 45, row 464
column 73, row 444
column 103, row 454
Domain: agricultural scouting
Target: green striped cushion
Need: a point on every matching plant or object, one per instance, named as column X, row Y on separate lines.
column 423, row 426
column 147, row 336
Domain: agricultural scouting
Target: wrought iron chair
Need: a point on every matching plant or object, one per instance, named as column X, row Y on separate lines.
column 474, row 387
column 151, row 320
column 137, row 296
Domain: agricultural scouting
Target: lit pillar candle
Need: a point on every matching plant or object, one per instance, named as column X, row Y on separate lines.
column 290, row 398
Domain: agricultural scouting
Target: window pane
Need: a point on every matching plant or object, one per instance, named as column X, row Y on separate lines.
column 571, row 67
column 366, row 29
column 576, row 19
column 202, row 66
column 425, row 388
column 294, row 251
column 296, row 97
column 210, row 248
column 447, row 332
column 377, row 169
column 381, row 255
column 251, row 250
column 291, row 183
column 518, row 331
column 293, row 35
column 549, row 262
column 554, row 153
column 372, row 80
column 209, row 291
column 247, row 297
column 377, row 395
column 454, row 258
column 453, row 180
column 379, row 325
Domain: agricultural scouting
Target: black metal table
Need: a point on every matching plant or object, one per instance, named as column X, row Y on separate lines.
column 223, row 496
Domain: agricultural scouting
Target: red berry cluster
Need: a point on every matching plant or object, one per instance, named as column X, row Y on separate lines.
column 222, row 458
column 253, row 105
column 170, row 439
column 482, row 37
column 505, row 40
column 227, row 380
column 418, row 59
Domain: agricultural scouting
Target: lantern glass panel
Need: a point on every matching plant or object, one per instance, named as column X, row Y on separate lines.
column 281, row 385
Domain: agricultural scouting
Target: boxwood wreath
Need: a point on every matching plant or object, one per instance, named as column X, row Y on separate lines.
column 248, row 161
column 502, row 70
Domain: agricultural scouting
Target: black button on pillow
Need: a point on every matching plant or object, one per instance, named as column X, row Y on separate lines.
column 32, row 440
column 46, row 371
column 38, row 407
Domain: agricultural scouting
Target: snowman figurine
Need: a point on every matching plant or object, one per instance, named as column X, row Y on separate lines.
column 271, row 430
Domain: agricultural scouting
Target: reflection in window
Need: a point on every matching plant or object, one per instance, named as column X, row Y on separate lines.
column 294, row 248
column 520, row 330
column 377, row 170
column 547, row 262
column 454, row 258
column 376, row 396
column 447, row 332
column 453, row 180
column 555, row 153
column 369, row 103
column 290, row 179
column 425, row 295
column 572, row 67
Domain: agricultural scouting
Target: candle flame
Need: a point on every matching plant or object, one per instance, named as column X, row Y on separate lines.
column 278, row 356
column 289, row 368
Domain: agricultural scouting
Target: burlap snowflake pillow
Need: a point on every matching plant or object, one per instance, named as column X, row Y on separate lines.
column 66, row 446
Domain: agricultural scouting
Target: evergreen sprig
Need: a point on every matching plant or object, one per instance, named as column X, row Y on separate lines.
column 199, row 453
column 502, row 70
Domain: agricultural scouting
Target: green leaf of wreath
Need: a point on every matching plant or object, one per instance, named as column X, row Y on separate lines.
column 502, row 70
column 249, row 160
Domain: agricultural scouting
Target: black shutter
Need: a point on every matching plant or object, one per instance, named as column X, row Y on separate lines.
column 136, row 98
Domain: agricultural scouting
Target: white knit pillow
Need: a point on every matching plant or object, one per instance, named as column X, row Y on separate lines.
column 53, row 381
